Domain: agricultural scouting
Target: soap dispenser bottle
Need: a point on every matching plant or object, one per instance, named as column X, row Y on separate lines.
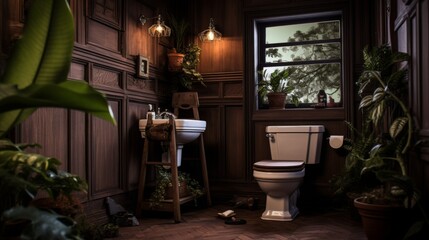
column 321, row 98
column 150, row 112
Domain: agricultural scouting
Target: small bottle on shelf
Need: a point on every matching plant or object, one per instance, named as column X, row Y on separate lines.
column 321, row 98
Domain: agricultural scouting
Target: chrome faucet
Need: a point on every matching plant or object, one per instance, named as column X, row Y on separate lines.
column 166, row 114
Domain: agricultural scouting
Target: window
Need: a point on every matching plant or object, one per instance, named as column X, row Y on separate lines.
column 311, row 47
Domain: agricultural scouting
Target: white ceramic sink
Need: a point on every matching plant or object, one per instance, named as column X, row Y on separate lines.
column 187, row 130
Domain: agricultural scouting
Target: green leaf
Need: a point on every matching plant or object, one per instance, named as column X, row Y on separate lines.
column 397, row 126
column 69, row 94
column 42, row 56
column 377, row 112
column 44, row 225
column 365, row 102
column 378, row 94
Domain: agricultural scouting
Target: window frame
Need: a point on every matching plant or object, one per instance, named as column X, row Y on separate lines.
column 261, row 46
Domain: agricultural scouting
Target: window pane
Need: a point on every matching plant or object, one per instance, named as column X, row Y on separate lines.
column 303, row 32
column 308, row 79
column 326, row 51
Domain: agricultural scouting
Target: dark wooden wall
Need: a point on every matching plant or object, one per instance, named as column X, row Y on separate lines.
column 229, row 99
column 108, row 39
column 407, row 29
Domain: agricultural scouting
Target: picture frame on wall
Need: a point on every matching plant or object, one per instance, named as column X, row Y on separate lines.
column 142, row 67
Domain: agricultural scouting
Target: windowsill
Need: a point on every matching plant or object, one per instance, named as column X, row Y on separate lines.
column 336, row 113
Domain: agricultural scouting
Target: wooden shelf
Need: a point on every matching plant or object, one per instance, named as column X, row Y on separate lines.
column 180, row 101
column 165, row 205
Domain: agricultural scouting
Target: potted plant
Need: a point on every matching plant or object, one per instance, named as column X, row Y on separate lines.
column 189, row 74
column 26, row 84
column 352, row 182
column 183, row 58
column 163, row 188
column 177, row 51
column 276, row 87
column 382, row 91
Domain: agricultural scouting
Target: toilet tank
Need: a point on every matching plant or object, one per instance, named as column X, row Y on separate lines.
column 296, row 143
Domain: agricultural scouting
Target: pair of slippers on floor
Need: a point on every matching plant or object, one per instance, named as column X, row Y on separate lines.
column 230, row 218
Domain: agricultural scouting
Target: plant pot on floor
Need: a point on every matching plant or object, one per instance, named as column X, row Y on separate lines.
column 382, row 221
column 276, row 100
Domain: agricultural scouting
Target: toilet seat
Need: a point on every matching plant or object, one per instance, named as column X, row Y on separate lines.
column 278, row 166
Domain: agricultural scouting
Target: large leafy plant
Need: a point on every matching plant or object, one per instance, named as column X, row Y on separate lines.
column 36, row 76
column 382, row 88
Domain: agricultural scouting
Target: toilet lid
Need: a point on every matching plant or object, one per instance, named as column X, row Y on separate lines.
column 278, row 166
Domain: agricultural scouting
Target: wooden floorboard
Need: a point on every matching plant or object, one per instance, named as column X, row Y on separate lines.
column 203, row 223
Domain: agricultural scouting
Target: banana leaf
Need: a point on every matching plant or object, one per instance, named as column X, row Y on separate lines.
column 42, row 56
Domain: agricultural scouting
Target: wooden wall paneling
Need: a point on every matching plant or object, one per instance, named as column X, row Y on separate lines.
column 78, row 71
column 79, row 19
column 107, row 11
column 102, row 36
column 106, row 78
column 136, row 110
column 226, row 55
column 49, row 128
column 424, row 62
column 261, row 149
column 104, row 25
column 13, row 15
column 106, row 153
column 139, row 85
column 212, row 90
column 212, row 139
column 138, row 40
column 78, row 144
column 233, row 89
column 424, row 170
column 234, row 143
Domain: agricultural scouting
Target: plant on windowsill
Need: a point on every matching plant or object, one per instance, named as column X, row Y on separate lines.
column 36, row 76
column 276, row 87
column 189, row 74
column 187, row 186
column 382, row 90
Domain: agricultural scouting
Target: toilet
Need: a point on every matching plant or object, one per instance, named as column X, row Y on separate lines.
column 291, row 148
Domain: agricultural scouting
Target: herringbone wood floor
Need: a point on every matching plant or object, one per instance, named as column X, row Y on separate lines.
column 204, row 224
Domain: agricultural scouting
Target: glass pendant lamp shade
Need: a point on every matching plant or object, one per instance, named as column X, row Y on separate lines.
column 211, row 33
column 159, row 29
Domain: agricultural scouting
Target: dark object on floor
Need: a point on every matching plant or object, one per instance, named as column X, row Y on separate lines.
column 235, row 221
column 110, row 230
column 246, row 202
column 118, row 215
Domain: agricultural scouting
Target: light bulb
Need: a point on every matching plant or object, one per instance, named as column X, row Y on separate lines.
column 159, row 28
column 210, row 36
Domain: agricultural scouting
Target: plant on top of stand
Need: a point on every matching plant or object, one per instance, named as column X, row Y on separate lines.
column 189, row 74
column 184, row 70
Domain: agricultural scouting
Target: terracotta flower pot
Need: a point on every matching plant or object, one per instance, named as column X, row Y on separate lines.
column 276, row 100
column 175, row 61
column 183, row 191
column 382, row 221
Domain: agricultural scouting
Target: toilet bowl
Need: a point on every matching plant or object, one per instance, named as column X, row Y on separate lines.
column 291, row 148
